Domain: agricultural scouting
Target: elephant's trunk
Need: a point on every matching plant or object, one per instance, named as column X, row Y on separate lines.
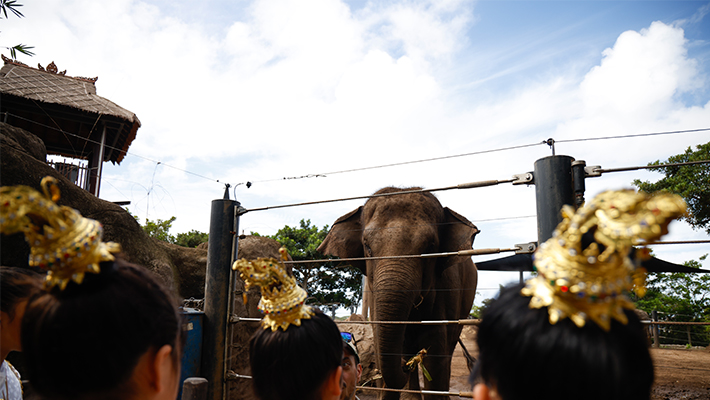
column 390, row 344
column 394, row 296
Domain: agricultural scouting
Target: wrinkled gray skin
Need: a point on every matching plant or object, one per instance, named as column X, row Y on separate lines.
column 413, row 289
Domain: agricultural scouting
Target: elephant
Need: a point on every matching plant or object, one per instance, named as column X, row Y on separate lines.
column 410, row 289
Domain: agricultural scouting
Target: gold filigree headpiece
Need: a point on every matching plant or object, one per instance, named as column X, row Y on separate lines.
column 590, row 283
column 282, row 300
column 61, row 241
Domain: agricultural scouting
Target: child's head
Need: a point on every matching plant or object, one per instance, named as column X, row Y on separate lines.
column 16, row 287
column 97, row 332
column 523, row 356
column 570, row 331
column 298, row 353
column 100, row 327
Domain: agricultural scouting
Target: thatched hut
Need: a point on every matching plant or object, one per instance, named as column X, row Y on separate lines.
column 67, row 114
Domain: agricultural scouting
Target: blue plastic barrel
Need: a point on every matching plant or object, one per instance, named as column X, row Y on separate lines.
column 192, row 353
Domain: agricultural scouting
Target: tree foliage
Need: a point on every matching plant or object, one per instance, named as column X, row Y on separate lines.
column 692, row 182
column 160, row 229
column 12, row 5
column 328, row 287
column 191, row 239
column 680, row 297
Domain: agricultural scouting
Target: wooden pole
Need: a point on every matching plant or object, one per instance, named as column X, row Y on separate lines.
column 194, row 389
column 654, row 317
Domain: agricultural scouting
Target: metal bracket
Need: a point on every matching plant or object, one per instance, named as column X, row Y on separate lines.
column 591, row 171
column 241, row 210
column 524, row 179
column 233, row 376
column 526, row 248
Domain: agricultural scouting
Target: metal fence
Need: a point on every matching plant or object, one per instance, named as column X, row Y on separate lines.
column 76, row 171
column 224, row 245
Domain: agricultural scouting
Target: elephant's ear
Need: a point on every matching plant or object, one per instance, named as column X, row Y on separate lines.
column 344, row 239
column 456, row 234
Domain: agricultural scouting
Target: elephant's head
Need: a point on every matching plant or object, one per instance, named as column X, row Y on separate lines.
column 407, row 288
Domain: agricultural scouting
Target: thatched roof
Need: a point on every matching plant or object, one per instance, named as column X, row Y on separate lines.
column 64, row 111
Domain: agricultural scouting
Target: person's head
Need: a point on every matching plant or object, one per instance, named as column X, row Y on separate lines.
column 352, row 369
column 523, row 356
column 570, row 330
column 301, row 362
column 114, row 336
column 100, row 328
column 17, row 285
column 297, row 354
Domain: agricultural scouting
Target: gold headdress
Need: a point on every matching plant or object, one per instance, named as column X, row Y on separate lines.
column 282, row 300
column 589, row 283
column 63, row 242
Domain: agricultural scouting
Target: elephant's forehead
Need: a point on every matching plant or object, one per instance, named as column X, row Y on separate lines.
column 408, row 207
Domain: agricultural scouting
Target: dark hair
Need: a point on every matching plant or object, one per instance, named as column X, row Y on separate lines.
column 294, row 364
column 85, row 341
column 16, row 285
column 525, row 357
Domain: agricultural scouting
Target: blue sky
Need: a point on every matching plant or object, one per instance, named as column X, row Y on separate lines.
column 257, row 91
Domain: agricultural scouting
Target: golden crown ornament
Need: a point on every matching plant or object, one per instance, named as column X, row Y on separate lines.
column 61, row 241
column 590, row 283
column 282, row 300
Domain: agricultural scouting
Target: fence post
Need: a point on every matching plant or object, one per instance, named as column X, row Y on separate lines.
column 690, row 342
column 217, row 283
column 553, row 189
column 654, row 317
column 194, row 388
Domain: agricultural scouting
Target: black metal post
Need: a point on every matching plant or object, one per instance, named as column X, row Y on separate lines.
column 578, row 177
column 553, row 189
column 238, row 210
column 217, row 283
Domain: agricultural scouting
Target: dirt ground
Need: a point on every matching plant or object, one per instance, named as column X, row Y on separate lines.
column 680, row 373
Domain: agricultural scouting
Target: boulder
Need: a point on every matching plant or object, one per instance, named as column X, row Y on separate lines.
column 23, row 162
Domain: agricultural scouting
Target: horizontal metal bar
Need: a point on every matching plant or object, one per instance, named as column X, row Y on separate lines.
column 235, row 319
column 623, row 169
column 679, row 242
column 430, row 392
column 472, row 252
column 469, row 185
column 443, row 322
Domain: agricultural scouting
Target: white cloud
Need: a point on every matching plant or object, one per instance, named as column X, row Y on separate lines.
column 641, row 75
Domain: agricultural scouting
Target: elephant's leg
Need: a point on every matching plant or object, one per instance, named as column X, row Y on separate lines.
column 413, row 384
column 437, row 361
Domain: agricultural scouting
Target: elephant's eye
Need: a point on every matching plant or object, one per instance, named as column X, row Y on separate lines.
column 368, row 250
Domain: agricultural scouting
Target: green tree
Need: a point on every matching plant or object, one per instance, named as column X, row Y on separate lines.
column 329, row 287
column 692, row 182
column 680, row 297
column 191, row 239
column 160, row 229
column 476, row 311
column 12, row 5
